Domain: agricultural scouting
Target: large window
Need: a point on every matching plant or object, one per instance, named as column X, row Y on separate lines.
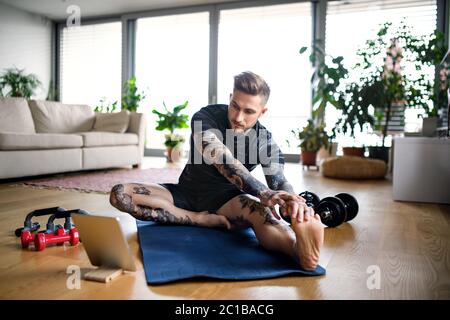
column 171, row 57
column 266, row 40
column 91, row 60
column 172, row 61
column 350, row 23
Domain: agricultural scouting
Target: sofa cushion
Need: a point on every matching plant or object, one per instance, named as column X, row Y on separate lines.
column 34, row 141
column 20, row 163
column 56, row 117
column 98, row 139
column 112, row 122
column 350, row 167
column 15, row 116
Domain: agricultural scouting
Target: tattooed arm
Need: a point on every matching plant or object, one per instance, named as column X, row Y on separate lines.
column 214, row 152
column 275, row 178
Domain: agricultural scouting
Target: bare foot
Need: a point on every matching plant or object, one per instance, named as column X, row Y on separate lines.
column 309, row 234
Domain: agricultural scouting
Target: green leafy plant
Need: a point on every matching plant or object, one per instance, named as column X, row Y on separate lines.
column 329, row 73
column 105, row 106
column 355, row 111
column 172, row 120
column 18, row 84
column 311, row 137
column 384, row 82
column 131, row 97
column 173, row 140
column 432, row 52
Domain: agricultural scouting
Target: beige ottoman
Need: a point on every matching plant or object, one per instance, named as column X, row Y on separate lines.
column 348, row 167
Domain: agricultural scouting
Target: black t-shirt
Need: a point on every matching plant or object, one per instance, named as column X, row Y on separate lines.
column 251, row 148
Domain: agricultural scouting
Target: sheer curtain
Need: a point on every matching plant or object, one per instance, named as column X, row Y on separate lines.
column 266, row 40
column 172, row 66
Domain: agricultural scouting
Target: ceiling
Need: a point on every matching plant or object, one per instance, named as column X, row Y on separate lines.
column 56, row 9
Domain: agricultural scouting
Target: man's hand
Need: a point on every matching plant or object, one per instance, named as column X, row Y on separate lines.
column 299, row 211
column 291, row 202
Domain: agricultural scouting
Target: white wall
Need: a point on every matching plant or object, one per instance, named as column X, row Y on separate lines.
column 25, row 42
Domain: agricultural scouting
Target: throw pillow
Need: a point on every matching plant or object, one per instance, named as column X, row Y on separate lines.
column 112, row 122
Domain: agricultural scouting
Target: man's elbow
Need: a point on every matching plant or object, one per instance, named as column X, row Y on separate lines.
column 212, row 151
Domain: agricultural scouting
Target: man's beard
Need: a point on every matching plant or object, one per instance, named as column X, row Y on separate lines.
column 238, row 130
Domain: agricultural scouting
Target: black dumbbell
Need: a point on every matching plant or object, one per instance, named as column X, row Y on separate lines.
column 312, row 200
column 351, row 205
column 336, row 210
column 333, row 211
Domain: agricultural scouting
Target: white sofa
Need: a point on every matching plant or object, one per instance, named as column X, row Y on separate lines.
column 44, row 137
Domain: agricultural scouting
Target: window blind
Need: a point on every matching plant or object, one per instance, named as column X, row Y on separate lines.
column 90, row 63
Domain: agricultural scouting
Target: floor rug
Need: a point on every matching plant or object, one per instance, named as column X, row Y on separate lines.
column 103, row 181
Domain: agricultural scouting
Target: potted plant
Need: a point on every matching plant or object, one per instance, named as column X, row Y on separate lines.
column 327, row 82
column 172, row 120
column 105, row 106
column 355, row 116
column 18, row 84
column 433, row 98
column 384, row 86
column 131, row 97
column 311, row 138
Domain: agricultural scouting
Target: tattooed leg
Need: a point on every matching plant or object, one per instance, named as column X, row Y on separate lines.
column 155, row 203
column 302, row 241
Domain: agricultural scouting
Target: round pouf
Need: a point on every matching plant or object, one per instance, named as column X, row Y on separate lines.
column 349, row 167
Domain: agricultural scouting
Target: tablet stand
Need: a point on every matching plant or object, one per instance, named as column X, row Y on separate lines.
column 103, row 274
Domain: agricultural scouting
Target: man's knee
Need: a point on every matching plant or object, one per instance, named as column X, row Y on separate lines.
column 120, row 199
column 252, row 204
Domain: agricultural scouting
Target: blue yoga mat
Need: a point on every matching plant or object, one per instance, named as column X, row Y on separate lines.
column 172, row 252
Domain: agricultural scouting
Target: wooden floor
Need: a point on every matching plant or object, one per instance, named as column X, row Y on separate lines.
column 406, row 244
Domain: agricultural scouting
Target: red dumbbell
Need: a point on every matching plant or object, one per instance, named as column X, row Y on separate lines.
column 28, row 232
column 41, row 240
column 26, row 238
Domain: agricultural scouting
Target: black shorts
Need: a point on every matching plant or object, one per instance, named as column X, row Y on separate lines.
column 211, row 201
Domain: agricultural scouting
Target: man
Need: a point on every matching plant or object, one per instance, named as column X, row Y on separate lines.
column 216, row 188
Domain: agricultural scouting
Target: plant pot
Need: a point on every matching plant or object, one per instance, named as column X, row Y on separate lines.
column 353, row 151
column 325, row 153
column 381, row 153
column 174, row 154
column 332, row 149
column 429, row 126
column 308, row 158
column 322, row 154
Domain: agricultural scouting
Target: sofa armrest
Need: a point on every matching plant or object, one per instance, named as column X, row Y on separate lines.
column 137, row 125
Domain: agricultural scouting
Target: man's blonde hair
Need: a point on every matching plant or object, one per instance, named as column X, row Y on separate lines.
column 250, row 83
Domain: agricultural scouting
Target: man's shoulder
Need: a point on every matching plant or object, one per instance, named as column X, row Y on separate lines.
column 212, row 109
column 215, row 114
column 262, row 130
